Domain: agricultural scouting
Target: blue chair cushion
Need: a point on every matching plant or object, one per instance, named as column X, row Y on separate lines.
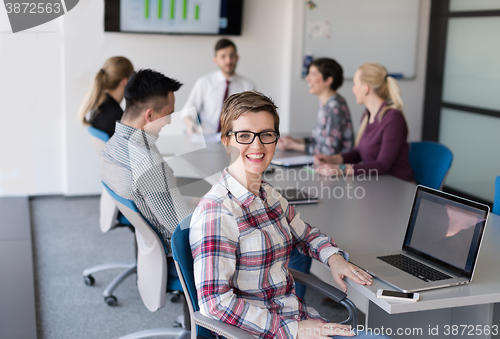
column 123, row 221
column 181, row 251
column 430, row 162
column 98, row 133
column 173, row 282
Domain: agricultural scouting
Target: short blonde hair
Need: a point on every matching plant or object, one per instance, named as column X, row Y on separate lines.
column 240, row 103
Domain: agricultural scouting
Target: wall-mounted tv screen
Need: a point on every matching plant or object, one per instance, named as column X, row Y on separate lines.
column 197, row 17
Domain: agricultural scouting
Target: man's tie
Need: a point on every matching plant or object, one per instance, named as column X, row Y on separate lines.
column 225, row 97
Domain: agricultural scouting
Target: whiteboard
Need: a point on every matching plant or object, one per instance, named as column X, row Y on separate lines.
column 354, row 32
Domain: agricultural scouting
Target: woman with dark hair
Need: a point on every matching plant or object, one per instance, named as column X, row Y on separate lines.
column 333, row 131
column 101, row 107
column 243, row 232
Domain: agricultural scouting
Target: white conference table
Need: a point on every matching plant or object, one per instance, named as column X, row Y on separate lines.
column 375, row 221
column 370, row 216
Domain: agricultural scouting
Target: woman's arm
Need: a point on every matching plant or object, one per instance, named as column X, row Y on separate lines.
column 309, row 240
column 347, row 130
column 352, row 157
column 214, row 238
column 287, row 143
column 312, row 242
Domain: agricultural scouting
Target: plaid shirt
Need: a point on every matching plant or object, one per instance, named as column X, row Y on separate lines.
column 241, row 245
column 133, row 168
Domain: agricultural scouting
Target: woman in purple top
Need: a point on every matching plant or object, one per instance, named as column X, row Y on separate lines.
column 333, row 132
column 381, row 144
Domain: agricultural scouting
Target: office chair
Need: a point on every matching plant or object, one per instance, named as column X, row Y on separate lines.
column 202, row 325
column 153, row 279
column 99, row 138
column 496, row 201
column 109, row 218
column 430, row 162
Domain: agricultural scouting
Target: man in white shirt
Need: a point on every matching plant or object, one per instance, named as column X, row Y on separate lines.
column 210, row 91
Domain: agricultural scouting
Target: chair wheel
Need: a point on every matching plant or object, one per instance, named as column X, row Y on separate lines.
column 89, row 280
column 177, row 324
column 175, row 297
column 111, row 300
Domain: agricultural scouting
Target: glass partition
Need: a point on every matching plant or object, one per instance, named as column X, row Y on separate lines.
column 472, row 67
column 474, row 5
column 474, row 140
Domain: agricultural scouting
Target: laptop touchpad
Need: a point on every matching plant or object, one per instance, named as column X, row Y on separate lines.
column 385, row 271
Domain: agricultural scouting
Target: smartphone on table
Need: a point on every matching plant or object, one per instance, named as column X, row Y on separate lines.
column 397, row 295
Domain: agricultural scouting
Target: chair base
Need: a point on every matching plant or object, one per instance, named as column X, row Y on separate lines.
column 178, row 333
column 128, row 270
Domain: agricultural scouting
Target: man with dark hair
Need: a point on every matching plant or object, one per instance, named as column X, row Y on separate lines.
column 210, row 91
column 131, row 164
column 148, row 88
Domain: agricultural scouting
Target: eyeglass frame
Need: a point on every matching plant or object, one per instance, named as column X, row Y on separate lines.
column 254, row 135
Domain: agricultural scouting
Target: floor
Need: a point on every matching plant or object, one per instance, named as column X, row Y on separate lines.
column 66, row 240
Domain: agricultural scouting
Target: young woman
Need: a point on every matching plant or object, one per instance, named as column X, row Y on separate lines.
column 381, row 142
column 101, row 107
column 333, row 132
column 243, row 231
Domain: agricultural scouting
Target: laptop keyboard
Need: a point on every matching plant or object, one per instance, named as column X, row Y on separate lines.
column 414, row 267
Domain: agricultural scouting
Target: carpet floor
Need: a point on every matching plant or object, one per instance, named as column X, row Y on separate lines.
column 66, row 240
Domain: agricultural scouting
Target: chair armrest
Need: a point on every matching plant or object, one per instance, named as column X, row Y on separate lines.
column 334, row 293
column 221, row 328
column 321, row 286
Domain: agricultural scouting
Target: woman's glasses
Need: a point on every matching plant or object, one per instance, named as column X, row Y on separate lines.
column 246, row 138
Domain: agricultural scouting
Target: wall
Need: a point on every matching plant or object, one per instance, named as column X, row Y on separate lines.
column 50, row 153
column 31, row 97
column 261, row 48
column 304, row 106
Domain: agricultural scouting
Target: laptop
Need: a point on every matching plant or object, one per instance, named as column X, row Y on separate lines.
column 440, row 248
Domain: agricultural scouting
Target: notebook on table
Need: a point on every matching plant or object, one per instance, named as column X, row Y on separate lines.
column 440, row 248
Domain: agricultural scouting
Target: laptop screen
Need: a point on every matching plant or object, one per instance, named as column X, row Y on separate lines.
column 446, row 229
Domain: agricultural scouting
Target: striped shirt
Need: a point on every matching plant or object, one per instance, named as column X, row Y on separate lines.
column 134, row 169
column 241, row 245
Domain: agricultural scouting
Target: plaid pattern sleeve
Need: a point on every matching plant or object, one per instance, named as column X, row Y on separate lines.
column 241, row 245
column 309, row 240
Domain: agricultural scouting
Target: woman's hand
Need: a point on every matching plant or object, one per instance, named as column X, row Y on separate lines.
column 341, row 268
column 284, row 143
column 320, row 159
column 328, row 170
column 315, row 329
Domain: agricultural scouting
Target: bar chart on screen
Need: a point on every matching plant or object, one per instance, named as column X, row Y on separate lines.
column 170, row 16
